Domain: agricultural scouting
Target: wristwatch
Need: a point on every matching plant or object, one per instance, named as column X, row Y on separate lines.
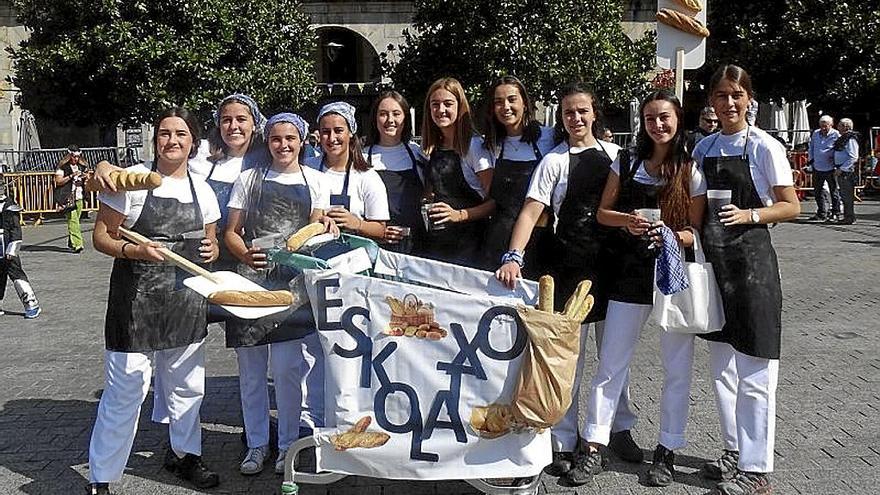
column 754, row 215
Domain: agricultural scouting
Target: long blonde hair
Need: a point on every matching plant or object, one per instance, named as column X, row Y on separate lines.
column 432, row 137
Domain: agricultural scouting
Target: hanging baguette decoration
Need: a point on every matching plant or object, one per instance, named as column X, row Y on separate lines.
column 694, row 6
column 127, row 181
column 682, row 22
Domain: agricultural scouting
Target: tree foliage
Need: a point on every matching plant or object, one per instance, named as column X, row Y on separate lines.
column 106, row 61
column 820, row 50
column 545, row 43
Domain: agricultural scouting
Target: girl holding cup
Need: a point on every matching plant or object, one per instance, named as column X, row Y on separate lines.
column 748, row 167
column 358, row 200
column 400, row 163
column 457, row 179
column 660, row 176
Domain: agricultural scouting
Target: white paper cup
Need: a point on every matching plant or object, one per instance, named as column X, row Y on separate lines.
column 718, row 199
column 652, row 214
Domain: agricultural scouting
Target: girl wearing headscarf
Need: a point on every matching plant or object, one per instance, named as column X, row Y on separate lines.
column 458, row 178
column 272, row 200
column 153, row 322
column 400, row 164
column 358, row 200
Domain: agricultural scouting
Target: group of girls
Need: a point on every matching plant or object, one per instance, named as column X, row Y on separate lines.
column 529, row 198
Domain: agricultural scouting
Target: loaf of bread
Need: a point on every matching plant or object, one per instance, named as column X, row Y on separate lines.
column 358, row 437
column 682, row 22
column 694, row 6
column 581, row 302
column 545, row 293
column 127, row 181
column 302, row 235
column 254, row 299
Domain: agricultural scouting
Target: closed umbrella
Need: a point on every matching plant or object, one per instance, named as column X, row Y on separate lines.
column 800, row 125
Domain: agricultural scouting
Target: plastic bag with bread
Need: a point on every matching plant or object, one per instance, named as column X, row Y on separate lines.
column 682, row 22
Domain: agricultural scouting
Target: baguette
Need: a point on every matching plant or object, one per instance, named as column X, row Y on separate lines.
column 694, row 6
column 254, row 299
column 128, row 181
column 545, row 293
column 682, row 22
column 358, row 437
column 580, row 293
column 300, row 237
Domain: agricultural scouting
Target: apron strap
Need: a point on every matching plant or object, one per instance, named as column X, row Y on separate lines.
column 370, row 156
column 347, row 173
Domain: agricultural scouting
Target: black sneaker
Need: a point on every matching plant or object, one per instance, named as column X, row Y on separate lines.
column 98, row 489
column 625, row 447
column 847, row 221
column 662, row 471
column 722, row 468
column 817, row 218
column 561, row 464
column 745, row 483
column 586, row 465
column 191, row 468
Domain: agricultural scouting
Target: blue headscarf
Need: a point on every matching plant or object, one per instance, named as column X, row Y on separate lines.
column 342, row 109
column 290, row 118
column 259, row 119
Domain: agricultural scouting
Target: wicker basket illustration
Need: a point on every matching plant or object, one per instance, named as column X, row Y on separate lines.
column 409, row 312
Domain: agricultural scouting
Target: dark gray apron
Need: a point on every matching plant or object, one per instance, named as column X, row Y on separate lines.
column 148, row 308
column 510, row 184
column 280, row 209
column 744, row 262
column 632, row 266
column 405, row 192
column 458, row 243
column 579, row 251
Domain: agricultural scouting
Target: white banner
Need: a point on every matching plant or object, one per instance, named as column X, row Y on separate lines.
column 405, row 365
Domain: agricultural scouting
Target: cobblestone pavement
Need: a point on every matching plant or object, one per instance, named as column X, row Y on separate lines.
column 828, row 438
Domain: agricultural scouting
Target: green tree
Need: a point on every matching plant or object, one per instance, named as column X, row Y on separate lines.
column 106, row 61
column 825, row 51
column 545, row 43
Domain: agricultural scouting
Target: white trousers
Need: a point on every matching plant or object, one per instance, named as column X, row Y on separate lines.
column 564, row 435
column 745, row 394
column 312, row 373
column 126, row 383
column 623, row 326
column 253, row 365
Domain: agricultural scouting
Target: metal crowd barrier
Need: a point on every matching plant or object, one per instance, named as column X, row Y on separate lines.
column 34, row 192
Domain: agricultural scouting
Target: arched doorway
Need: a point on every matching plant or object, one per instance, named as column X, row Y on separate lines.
column 344, row 56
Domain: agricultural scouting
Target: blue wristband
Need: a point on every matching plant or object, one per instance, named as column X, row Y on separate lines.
column 514, row 256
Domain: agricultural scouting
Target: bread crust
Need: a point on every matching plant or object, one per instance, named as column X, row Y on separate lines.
column 300, row 237
column 694, row 6
column 253, row 299
column 682, row 22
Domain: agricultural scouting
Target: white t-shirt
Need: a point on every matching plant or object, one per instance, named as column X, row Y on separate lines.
column 768, row 163
column 550, row 180
column 697, row 185
column 394, row 158
column 518, row 151
column 200, row 164
column 226, row 170
column 318, row 190
column 130, row 203
column 368, row 197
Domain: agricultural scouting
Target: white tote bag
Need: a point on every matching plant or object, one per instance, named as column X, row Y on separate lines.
column 697, row 309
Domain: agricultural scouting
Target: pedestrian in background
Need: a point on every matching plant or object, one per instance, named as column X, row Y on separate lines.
column 10, row 252
column 846, row 156
column 821, row 153
column 708, row 125
column 70, row 175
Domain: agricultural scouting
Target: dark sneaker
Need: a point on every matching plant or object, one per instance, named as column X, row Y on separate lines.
column 662, row 471
column 847, row 221
column 722, row 468
column 625, row 447
column 191, row 468
column 745, row 483
column 817, row 218
column 98, row 489
column 586, row 465
column 562, row 462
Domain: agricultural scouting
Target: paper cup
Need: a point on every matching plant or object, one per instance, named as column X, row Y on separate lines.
column 717, row 199
column 652, row 214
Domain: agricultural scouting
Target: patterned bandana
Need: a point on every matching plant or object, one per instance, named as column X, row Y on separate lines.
column 342, row 109
column 259, row 119
column 290, row 118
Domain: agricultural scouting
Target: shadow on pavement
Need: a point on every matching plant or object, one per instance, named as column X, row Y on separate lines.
column 36, row 248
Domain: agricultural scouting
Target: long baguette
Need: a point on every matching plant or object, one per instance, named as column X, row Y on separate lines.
column 545, row 293
column 128, row 181
column 254, row 299
column 682, row 22
column 576, row 299
column 300, row 237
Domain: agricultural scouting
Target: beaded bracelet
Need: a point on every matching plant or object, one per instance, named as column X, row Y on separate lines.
column 514, row 256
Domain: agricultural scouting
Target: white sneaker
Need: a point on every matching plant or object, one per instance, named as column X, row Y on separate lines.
column 254, row 460
column 279, row 463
